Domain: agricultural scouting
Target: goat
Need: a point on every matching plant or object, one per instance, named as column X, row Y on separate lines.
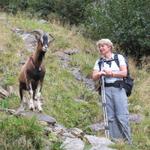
column 33, row 71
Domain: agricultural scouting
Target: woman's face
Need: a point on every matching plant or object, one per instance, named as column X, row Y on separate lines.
column 104, row 49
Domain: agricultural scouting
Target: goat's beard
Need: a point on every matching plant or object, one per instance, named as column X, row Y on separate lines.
column 41, row 55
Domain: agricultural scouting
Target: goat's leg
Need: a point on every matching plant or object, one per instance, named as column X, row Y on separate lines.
column 31, row 104
column 21, row 108
column 38, row 97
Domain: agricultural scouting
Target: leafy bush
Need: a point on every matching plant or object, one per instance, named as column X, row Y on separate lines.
column 71, row 11
column 124, row 22
column 13, row 6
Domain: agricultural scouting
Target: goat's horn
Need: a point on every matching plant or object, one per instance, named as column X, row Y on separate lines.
column 52, row 38
column 40, row 32
column 37, row 33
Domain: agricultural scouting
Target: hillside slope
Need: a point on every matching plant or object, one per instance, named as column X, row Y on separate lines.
column 67, row 99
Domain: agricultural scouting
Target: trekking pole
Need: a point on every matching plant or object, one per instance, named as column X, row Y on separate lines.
column 104, row 107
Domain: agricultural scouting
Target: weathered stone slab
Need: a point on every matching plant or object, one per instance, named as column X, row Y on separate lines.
column 72, row 144
column 97, row 127
column 59, row 129
column 76, row 132
column 97, row 141
column 39, row 116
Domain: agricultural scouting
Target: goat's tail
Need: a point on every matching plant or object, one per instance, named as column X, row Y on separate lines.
column 20, row 92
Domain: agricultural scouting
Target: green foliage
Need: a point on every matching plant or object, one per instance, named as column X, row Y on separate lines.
column 20, row 133
column 4, row 4
column 42, row 7
column 4, row 104
column 56, row 146
column 10, row 102
column 124, row 22
column 71, row 11
column 13, row 6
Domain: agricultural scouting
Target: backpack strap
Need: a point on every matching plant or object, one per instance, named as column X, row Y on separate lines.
column 118, row 63
column 101, row 60
column 100, row 63
column 116, row 60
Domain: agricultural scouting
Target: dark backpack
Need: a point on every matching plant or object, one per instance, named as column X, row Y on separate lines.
column 127, row 82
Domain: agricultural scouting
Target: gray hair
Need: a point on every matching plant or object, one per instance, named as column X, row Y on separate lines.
column 105, row 41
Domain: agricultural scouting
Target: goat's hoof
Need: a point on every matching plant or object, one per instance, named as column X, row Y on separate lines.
column 31, row 108
column 40, row 110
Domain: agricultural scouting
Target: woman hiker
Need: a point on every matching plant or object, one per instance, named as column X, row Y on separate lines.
column 116, row 98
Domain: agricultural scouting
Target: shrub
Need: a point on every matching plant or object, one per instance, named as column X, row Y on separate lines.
column 124, row 22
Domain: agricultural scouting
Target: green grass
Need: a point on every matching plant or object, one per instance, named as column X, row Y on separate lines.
column 61, row 89
column 20, row 133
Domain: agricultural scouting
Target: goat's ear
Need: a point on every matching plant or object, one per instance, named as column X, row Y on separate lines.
column 50, row 38
column 37, row 34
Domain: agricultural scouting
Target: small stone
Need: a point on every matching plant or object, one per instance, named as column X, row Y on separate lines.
column 71, row 51
column 76, row 132
column 68, row 135
column 97, row 126
column 136, row 118
column 59, row 129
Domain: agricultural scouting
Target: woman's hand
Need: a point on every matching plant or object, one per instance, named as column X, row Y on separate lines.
column 108, row 72
column 97, row 74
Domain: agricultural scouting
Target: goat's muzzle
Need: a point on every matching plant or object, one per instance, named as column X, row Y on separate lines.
column 45, row 48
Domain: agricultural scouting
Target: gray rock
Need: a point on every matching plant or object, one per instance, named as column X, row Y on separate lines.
column 98, row 141
column 136, row 118
column 97, row 126
column 79, row 76
column 59, row 129
column 64, row 59
column 39, row 116
column 76, row 132
column 68, row 135
column 30, row 41
column 71, row 51
column 72, row 144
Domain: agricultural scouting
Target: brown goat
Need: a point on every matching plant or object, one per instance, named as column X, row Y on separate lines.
column 33, row 71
